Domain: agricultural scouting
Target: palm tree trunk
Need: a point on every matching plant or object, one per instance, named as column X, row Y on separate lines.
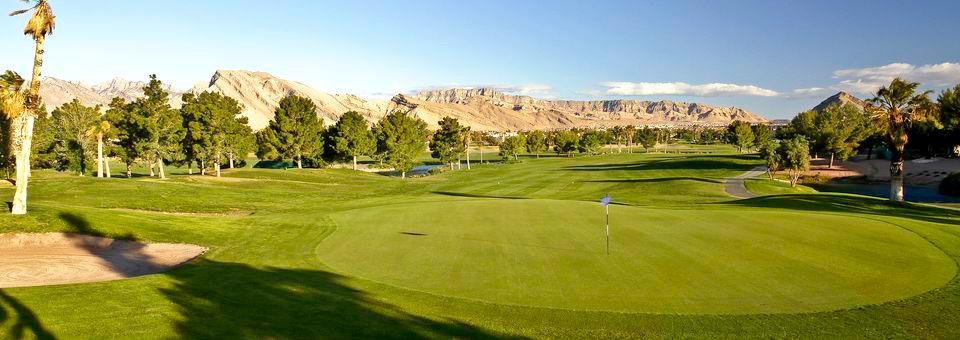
column 23, row 159
column 23, row 163
column 160, row 167
column 896, row 176
column 100, row 155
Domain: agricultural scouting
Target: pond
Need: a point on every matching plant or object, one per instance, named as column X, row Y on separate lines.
column 912, row 193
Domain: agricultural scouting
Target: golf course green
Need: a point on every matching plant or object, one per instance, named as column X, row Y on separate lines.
column 501, row 250
column 550, row 253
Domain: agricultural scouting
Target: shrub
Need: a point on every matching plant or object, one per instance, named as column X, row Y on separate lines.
column 951, row 185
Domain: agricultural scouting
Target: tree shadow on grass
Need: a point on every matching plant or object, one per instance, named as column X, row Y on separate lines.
column 724, row 162
column 851, row 204
column 656, row 180
column 25, row 320
column 469, row 195
column 234, row 300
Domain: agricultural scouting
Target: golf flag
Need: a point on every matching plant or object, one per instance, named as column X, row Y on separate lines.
column 605, row 202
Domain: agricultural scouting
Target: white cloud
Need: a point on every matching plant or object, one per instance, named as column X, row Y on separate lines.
column 679, row 88
column 526, row 89
column 868, row 80
column 539, row 90
column 812, row 92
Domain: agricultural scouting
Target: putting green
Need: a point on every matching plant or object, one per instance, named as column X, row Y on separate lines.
column 550, row 253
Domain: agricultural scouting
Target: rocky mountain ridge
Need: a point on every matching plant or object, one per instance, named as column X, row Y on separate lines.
column 841, row 98
column 481, row 108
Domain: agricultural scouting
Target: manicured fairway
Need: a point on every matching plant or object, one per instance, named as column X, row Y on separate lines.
column 498, row 251
column 551, row 253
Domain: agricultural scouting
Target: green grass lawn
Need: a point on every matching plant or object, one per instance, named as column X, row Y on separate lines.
column 765, row 186
column 500, row 251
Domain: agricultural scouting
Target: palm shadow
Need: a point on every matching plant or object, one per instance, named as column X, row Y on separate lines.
column 234, row 300
column 656, row 180
column 25, row 319
column 849, row 203
column 123, row 253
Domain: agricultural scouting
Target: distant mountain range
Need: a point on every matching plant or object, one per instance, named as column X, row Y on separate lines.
column 480, row 108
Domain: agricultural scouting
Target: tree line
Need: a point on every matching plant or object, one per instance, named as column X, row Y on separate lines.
column 207, row 131
column 899, row 119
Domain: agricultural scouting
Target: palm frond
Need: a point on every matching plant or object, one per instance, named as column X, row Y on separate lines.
column 42, row 22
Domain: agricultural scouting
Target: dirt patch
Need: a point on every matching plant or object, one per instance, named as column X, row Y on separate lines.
column 918, row 171
column 58, row 258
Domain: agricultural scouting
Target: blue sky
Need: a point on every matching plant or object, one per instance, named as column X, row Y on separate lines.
column 775, row 58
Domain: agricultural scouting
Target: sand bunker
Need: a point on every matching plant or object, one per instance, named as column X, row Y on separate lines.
column 57, row 258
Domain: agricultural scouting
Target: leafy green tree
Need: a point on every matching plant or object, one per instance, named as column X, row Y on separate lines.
column 512, row 146
column 351, row 137
column 949, row 102
column 239, row 140
column 647, row 138
column 75, row 130
column 128, row 132
column 196, row 139
column 536, row 142
column 402, row 137
column 296, row 128
column 267, row 143
column 565, row 142
column 795, row 157
column 894, row 109
column 841, row 129
column 591, row 142
column 762, row 134
column 618, row 135
column 215, row 128
column 629, row 135
column 769, row 153
column 740, row 134
column 161, row 126
column 449, row 142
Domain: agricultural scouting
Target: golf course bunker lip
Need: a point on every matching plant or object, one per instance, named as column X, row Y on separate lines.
column 60, row 258
column 551, row 254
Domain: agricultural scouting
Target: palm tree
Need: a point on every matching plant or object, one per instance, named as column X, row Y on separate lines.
column 101, row 129
column 41, row 24
column 894, row 109
column 12, row 100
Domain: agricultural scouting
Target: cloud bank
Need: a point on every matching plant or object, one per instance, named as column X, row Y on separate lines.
column 868, row 80
column 523, row 89
column 680, row 88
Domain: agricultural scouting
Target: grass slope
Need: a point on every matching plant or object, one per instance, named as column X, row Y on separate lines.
column 269, row 232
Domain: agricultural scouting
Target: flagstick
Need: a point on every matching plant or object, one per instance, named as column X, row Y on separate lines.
column 607, row 208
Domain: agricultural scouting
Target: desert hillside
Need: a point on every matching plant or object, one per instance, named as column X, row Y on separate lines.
column 480, row 108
